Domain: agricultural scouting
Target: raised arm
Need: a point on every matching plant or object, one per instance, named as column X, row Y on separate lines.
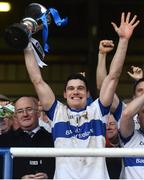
column 44, row 92
column 124, row 31
column 127, row 122
column 105, row 46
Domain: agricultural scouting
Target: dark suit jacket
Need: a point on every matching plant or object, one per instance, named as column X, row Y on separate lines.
column 23, row 165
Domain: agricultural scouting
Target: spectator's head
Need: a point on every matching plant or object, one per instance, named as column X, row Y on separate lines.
column 112, row 130
column 6, row 117
column 26, row 112
column 139, row 87
column 4, row 100
column 76, row 91
column 6, row 124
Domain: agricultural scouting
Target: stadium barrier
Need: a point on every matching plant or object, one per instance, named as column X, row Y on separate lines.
column 63, row 152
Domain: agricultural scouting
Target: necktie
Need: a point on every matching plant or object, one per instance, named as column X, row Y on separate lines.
column 30, row 133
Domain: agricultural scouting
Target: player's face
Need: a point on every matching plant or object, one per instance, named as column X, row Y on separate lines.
column 76, row 94
column 139, row 89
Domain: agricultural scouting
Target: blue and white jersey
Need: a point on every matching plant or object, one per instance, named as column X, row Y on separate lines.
column 133, row 166
column 79, row 129
column 118, row 113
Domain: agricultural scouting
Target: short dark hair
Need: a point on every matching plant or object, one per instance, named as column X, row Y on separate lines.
column 136, row 84
column 76, row 76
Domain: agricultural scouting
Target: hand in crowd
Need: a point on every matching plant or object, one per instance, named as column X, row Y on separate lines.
column 137, row 73
column 127, row 26
column 39, row 175
column 29, row 176
column 106, row 46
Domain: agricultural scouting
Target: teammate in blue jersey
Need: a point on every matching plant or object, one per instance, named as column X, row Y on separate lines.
column 131, row 137
column 76, row 125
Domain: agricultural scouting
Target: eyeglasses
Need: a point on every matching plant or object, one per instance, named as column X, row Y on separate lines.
column 27, row 110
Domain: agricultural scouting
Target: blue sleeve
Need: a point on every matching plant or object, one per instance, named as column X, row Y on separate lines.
column 50, row 112
column 118, row 111
column 104, row 110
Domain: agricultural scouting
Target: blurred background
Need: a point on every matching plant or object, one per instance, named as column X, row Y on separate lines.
column 73, row 48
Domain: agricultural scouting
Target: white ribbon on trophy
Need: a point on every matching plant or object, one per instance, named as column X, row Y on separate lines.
column 36, row 44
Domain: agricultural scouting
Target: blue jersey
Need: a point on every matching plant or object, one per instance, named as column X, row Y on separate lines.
column 85, row 128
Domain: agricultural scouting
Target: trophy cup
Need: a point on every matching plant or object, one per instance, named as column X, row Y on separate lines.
column 37, row 18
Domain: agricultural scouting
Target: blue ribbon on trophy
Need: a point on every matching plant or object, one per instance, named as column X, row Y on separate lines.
column 58, row 21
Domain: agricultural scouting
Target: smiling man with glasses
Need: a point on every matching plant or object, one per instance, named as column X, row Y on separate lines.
column 30, row 134
column 26, row 112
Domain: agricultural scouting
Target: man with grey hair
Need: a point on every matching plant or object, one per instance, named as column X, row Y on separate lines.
column 29, row 134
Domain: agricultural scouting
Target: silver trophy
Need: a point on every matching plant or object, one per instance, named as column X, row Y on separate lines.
column 37, row 18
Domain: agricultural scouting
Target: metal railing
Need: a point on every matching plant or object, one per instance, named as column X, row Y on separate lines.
column 63, row 152
column 7, row 163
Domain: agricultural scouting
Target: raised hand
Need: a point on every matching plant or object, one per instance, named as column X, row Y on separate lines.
column 136, row 74
column 125, row 30
column 105, row 46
